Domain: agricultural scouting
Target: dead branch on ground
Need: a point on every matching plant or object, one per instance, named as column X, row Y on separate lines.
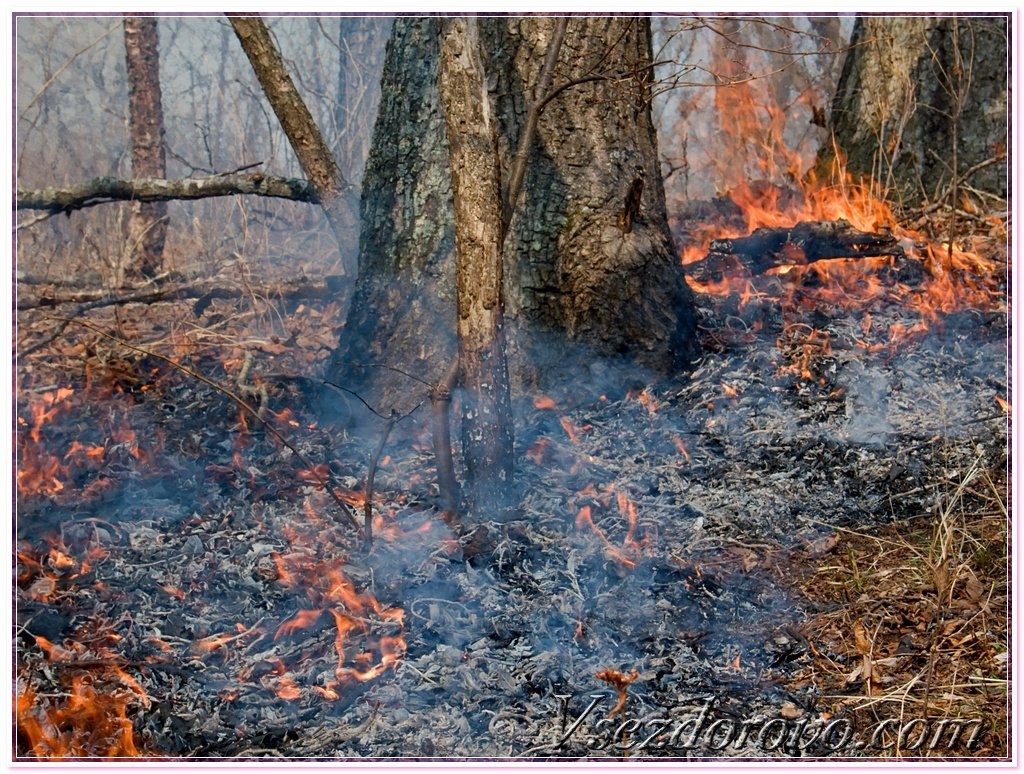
column 806, row 242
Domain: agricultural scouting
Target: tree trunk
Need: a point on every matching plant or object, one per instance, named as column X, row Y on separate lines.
column 480, row 301
column 147, row 222
column 578, row 284
column 921, row 101
column 303, row 134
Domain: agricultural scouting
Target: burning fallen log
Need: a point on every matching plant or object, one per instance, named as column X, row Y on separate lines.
column 804, row 243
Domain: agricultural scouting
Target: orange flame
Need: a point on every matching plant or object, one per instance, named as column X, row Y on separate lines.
column 88, row 723
column 646, row 399
column 585, row 520
column 301, row 620
column 354, row 612
column 775, row 185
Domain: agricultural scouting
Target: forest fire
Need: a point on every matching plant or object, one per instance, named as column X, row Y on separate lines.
column 44, row 472
column 955, row 278
column 218, row 557
column 90, row 717
column 90, row 723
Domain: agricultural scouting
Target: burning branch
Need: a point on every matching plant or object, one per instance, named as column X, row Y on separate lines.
column 804, row 243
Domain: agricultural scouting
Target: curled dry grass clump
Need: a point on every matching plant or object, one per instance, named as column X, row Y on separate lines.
column 913, row 625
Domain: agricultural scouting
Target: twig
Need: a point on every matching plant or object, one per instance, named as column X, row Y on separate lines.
column 530, row 129
column 371, row 409
column 60, row 70
column 447, row 485
column 371, row 474
column 236, row 170
column 324, row 482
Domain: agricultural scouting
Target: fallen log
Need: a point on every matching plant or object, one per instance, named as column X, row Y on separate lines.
column 102, row 190
column 804, row 243
column 204, row 291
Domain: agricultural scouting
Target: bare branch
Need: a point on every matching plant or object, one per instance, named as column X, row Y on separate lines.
column 151, row 294
column 103, row 190
column 60, row 70
column 530, row 129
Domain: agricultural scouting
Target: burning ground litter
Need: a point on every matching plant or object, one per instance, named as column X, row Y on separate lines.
column 184, row 589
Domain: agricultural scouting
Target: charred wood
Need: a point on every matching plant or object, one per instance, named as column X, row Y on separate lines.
column 806, row 242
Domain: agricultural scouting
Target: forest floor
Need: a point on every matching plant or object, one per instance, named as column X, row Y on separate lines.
column 800, row 548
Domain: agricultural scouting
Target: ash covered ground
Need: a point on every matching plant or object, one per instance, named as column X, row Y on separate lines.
column 212, row 591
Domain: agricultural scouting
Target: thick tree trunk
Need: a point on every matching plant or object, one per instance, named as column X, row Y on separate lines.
column 921, row 101
column 579, row 285
column 318, row 163
column 476, row 188
column 403, row 311
column 146, row 230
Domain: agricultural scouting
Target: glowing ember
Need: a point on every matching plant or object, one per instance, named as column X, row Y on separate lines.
column 572, row 429
column 681, row 448
column 646, row 399
column 536, row 453
column 620, row 682
column 628, row 555
column 544, row 403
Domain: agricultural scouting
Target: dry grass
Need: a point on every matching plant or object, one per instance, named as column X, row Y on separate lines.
column 914, row 625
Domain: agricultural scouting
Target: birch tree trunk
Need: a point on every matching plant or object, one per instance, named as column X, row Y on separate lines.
column 146, row 231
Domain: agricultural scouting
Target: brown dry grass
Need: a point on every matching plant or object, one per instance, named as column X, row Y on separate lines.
column 914, row 624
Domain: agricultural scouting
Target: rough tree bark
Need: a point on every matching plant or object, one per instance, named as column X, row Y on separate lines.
column 316, row 158
column 476, row 187
column 146, row 230
column 921, row 102
column 578, row 285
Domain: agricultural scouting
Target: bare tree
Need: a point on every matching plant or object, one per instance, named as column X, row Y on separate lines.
column 146, row 230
